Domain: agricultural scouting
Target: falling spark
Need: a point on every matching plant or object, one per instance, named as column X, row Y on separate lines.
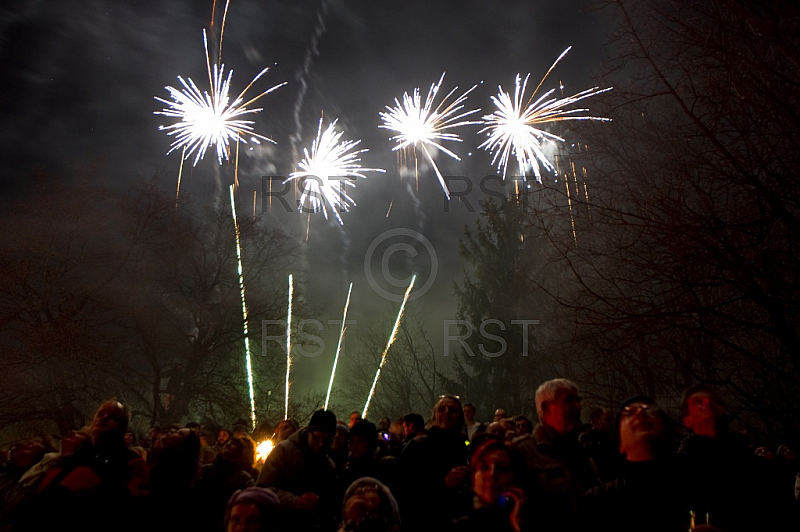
column 244, row 314
column 511, row 127
column 210, row 119
column 389, row 344
column 338, row 347
column 422, row 126
column 262, row 451
column 331, row 165
column 288, row 345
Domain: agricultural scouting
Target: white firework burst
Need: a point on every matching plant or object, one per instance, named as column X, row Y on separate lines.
column 210, row 119
column 424, row 126
column 330, row 167
column 513, row 128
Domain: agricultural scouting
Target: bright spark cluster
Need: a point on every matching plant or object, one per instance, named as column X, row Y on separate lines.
column 332, row 165
column 263, row 449
column 424, row 126
column 210, row 119
column 512, row 128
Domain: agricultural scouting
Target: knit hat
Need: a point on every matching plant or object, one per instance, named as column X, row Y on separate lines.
column 388, row 512
column 365, row 430
column 323, row 420
column 629, row 401
column 265, row 499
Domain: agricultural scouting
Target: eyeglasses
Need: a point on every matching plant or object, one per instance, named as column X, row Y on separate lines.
column 631, row 410
column 441, row 409
column 366, row 488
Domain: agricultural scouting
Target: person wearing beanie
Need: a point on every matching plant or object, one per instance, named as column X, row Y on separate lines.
column 362, row 461
column 301, row 473
column 252, row 510
column 650, row 493
column 369, row 506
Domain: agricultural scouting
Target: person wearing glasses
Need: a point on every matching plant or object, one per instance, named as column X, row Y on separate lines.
column 559, row 469
column 650, row 493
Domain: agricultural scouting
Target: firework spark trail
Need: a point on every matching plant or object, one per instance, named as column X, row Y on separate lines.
column 303, row 72
column 288, row 346
column 338, row 347
column 210, row 119
column 388, row 345
column 510, row 128
column 330, row 163
column 248, row 360
column 422, row 126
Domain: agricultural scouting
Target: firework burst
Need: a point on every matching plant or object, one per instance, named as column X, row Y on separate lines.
column 210, row 119
column 332, row 165
column 423, row 126
column 513, row 128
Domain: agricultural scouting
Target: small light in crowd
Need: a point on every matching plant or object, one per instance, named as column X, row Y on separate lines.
column 263, row 449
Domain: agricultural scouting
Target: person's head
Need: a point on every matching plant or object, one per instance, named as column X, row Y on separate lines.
column 448, row 414
column 110, row 422
column 25, row 454
column 320, row 430
column 558, row 405
column 248, row 450
column 522, row 425
column 786, row 453
column 355, row 417
column 369, row 505
column 469, row 413
column 644, row 431
column 602, row 419
column 702, row 410
column 412, row 424
column 765, row 453
column 251, row 510
column 73, row 440
column 496, row 467
column 204, row 436
column 285, row 428
column 396, row 430
column 499, row 414
column 341, row 437
column 240, row 429
column 363, row 439
column 232, row 451
column 223, row 436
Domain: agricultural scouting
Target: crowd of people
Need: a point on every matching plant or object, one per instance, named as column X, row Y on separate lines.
column 630, row 469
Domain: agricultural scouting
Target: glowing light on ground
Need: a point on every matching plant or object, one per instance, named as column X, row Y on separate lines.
column 262, row 451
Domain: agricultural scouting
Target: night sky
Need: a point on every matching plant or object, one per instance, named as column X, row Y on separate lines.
column 80, row 77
